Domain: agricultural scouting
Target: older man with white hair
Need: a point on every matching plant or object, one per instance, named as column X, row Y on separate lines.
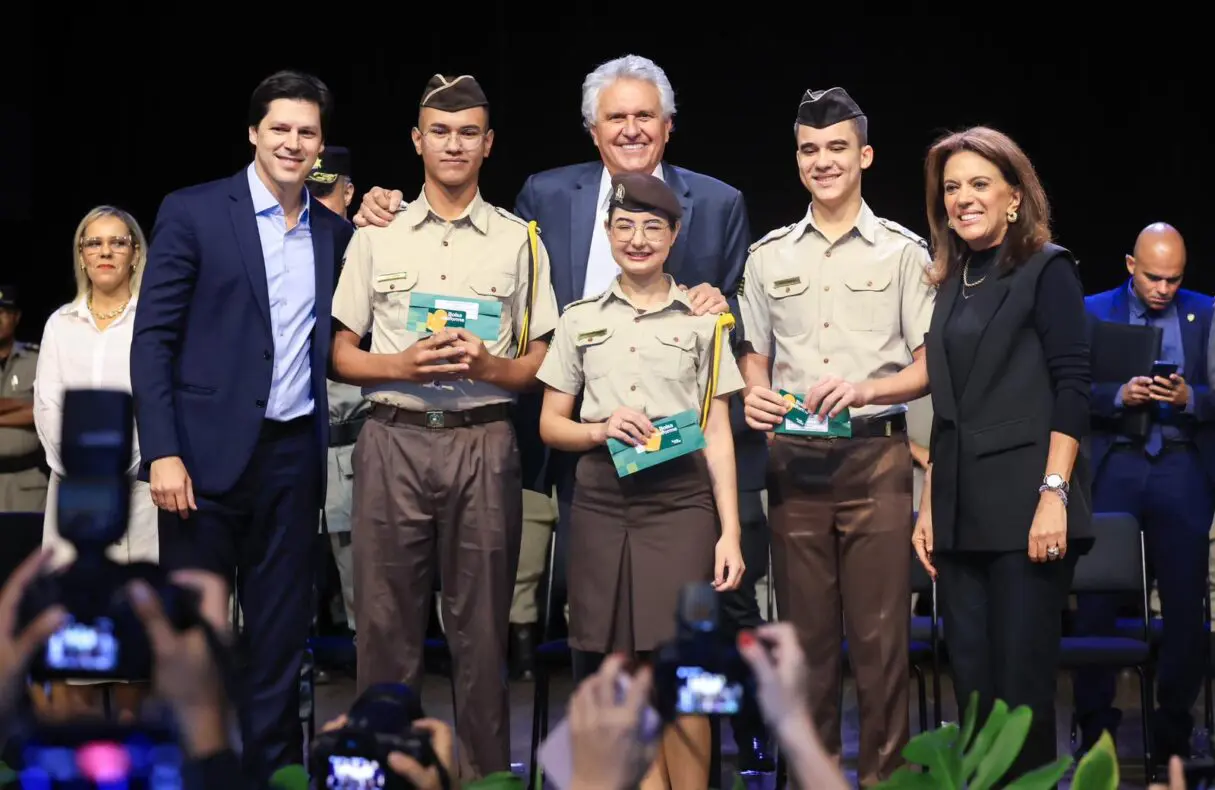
column 628, row 107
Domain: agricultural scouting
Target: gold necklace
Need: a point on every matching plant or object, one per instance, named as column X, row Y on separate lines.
column 111, row 314
column 966, row 283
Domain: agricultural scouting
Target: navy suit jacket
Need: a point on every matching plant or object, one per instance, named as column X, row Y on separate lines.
column 712, row 248
column 202, row 355
column 1114, row 306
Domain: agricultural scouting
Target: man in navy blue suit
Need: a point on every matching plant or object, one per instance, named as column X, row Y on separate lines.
column 228, row 368
column 1166, row 480
column 628, row 108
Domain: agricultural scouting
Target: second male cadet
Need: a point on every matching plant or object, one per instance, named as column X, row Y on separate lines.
column 1166, row 480
column 437, row 463
column 22, row 479
column 228, row 364
column 840, row 296
column 330, row 182
column 628, row 108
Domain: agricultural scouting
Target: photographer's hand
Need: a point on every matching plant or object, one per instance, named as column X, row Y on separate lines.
column 606, row 731
column 16, row 650
column 187, row 675
column 429, row 778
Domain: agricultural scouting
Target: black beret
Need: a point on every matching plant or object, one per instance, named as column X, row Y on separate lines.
column 452, row 94
column 644, row 192
column 8, row 296
column 334, row 161
column 820, row 109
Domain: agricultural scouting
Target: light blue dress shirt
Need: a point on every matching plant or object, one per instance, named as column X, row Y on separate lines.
column 1171, row 350
column 291, row 282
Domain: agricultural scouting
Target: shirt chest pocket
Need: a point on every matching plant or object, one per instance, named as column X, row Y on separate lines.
column 391, row 299
column 497, row 286
column 671, row 354
column 790, row 305
column 869, row 302
column 597, row 353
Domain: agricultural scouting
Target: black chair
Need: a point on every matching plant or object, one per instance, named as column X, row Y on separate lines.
column 926, row 645
column 551, row 653
column 1116, row 564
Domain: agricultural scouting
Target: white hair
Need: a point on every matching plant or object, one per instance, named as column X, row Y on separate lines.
column 633, row 67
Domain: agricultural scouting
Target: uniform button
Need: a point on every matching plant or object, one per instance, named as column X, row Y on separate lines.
column 633, row 349
column 786, row 290
column 634, row 387
column 868, row 283
column 825, row 361
column 266, row 355
column 442, row 276
column 444, row 244
column 826, row 287
column 676, row 340
column 827, row 253
column 493, row 290
column 261, row 404
column 826, row 324
column 392, row 287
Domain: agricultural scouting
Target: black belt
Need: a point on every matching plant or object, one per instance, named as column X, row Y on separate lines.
column 480, row 415
column 885, row 425
column 19, row 463
column 344, row 434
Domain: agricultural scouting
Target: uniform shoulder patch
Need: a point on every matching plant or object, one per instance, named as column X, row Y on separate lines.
column 771, row 236
column 891, row 225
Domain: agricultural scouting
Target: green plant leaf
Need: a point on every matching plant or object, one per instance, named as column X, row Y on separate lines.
column 1045, row 778
column 983, row 741
column 1098, row 769
column 502, row 780
column 290, row 777
column 1004, row 749
column 906, row 778
column 935, row 751
column 968, row 724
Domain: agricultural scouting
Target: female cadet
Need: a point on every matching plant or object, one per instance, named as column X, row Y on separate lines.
column 638, row 357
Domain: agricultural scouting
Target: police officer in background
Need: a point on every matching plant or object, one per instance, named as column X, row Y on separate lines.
column 22, row 478
column 330, row 182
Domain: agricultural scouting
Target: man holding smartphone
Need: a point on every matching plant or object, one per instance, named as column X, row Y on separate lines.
column 1166, row 480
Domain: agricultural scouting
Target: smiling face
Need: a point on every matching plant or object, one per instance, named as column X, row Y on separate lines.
column 287, row 142
column 641, row 240
column 830, row 161
column 453, row 145
column 629, row 129
column 978, row 199
column 107, row 249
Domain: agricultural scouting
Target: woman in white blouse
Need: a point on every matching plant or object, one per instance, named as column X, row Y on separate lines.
column 86, row 345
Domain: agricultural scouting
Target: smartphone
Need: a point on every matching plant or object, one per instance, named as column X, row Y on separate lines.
column 1163, row 369
column 101, row 755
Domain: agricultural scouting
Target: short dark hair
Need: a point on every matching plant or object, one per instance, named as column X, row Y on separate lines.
column 860, row 124
column 290, row 85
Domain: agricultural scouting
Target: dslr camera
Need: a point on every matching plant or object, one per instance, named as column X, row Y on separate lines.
column 378, row 723
column 102, row 638
column 700, row 672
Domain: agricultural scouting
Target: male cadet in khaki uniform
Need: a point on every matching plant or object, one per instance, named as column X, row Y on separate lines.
column 437, row 464
column 22, row 481
column 330, row 183
column 840, row 296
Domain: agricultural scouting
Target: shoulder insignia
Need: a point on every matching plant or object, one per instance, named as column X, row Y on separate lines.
column 742, row 286
column 891, row 225
column 584, row 300
column 772, row 235
column 503, row 212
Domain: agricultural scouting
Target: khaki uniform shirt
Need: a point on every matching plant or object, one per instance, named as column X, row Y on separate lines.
column 484, row 254
column 855, row 308
column 657, row 362
column 17, row 381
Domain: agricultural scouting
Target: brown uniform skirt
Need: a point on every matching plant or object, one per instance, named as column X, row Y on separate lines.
column 634, row 543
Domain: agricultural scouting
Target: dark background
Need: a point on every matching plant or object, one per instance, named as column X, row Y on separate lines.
column 1114, row 118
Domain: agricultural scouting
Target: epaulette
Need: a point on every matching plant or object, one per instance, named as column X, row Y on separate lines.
column 512, row 217
column 890, row 224
column 772, row 235
column 583, row 300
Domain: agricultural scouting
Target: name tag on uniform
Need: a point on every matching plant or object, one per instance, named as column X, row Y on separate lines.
column 594, row 334
column 799, row 420
column 673, row 437
column 785, row 283
column 430, row 313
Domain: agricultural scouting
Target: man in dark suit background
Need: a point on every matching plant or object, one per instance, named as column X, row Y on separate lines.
column 1167, row 481
column 628, row 108
column 228, row 369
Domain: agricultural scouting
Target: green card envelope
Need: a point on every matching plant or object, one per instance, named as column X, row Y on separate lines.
column 428, row 313
column 800, row 422
column 678, row 435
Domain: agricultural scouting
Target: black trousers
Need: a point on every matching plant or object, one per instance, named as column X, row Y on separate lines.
column 262, row 533
column 1003, row 618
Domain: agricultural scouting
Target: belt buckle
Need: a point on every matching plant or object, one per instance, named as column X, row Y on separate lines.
column 434, row 419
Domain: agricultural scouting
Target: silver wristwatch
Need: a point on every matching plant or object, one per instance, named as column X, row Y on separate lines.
column 1056, row 484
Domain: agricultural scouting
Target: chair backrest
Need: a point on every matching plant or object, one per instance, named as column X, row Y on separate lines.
column 1115, row 561
column 20, row 536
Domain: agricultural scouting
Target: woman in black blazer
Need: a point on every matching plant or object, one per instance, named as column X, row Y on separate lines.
column 1006, row 504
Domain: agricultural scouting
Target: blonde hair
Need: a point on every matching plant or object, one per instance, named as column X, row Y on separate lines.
column 138, row 261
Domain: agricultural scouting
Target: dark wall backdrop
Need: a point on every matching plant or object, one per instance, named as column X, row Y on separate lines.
column 1111, row 118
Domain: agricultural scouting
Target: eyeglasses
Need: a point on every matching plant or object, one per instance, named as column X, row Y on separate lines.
column 118, row 244
column 467, row 139
column 651, row 231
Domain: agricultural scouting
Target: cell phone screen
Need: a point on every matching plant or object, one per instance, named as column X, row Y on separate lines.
column 114, row 757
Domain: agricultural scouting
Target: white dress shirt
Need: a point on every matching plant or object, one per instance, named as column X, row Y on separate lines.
column 75, row 354
column 601, row 267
